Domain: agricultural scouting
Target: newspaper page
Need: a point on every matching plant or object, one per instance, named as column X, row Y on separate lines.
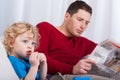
column 107, row 56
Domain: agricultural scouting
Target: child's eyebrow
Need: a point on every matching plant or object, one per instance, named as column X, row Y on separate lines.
column 29, row 37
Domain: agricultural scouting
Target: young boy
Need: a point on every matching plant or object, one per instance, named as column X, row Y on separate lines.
column 20, row 40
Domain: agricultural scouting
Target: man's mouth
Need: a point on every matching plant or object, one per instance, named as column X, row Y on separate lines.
column 79, row 31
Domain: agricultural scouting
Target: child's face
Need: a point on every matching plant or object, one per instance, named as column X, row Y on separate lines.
column 24, row 45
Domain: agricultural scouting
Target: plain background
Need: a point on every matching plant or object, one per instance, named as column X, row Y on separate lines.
column 105, row 21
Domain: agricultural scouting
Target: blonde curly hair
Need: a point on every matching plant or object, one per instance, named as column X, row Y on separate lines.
column 16, row 29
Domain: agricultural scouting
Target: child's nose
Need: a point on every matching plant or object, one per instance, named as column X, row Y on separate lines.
column 29, row 46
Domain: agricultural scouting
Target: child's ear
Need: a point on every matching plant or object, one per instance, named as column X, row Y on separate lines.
column 10, row 43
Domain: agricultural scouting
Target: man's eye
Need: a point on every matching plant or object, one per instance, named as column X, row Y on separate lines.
column 80, row 19
column 87, row 23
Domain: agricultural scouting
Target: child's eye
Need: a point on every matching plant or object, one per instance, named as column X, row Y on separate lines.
column 25, row 41
column 34, row 43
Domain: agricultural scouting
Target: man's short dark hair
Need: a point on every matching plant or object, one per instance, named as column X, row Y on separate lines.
column 75, row 6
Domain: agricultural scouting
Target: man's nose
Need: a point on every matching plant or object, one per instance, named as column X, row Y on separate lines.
column 83, row 25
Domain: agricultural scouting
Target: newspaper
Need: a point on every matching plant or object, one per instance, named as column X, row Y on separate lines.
column 107, row 56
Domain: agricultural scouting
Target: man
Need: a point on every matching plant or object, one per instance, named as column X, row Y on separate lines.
column 63, row 45
column 65, row 49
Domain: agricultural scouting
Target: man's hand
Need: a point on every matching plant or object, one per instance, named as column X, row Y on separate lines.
column 83, row 66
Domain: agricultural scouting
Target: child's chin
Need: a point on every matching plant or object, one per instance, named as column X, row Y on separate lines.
column 27, row 56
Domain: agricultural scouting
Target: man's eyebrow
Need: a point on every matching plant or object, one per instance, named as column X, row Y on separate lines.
column 83, row 19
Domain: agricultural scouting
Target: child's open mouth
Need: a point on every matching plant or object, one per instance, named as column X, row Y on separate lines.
column 29, row 53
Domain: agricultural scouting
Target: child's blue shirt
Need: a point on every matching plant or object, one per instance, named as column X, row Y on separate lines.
column 21, row 67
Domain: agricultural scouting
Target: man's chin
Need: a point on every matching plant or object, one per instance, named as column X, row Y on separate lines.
column 77, row 35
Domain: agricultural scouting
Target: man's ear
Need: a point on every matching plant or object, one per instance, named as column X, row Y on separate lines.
column 67, row 16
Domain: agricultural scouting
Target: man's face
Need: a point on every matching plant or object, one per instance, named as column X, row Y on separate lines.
column 77, row 23
column 24, row 45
